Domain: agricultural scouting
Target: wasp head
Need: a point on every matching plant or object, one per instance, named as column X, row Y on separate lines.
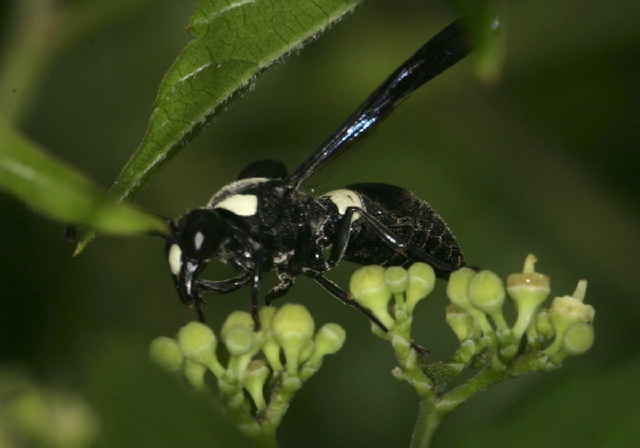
column 192, row 243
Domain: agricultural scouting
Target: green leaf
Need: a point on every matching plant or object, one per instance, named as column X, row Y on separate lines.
column 233, row 41
column 61, row 193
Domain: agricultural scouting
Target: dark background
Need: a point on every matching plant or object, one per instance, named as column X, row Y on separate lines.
column 543, row 162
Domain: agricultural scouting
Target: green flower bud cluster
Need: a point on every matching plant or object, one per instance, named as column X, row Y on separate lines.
column 34, row 416
column 392, row 294
column 538, row 340
column 275, row 360
column 476, row 314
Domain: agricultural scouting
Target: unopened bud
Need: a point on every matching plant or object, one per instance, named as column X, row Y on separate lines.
column 457, row 287
column 566, row 311
column 292, row 327
column 422, row 279
column 237, row 333
column 544, row 326
column 457, row 291
column 486, row 293
column 166, row 353
column 396, row 278
column 578, row 338
column 198, row 344
column 329, row 339
column 369, row 289
column 460, row 321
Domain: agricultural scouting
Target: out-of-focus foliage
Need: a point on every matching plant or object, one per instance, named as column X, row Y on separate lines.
column 543, row 162
column 59, row 192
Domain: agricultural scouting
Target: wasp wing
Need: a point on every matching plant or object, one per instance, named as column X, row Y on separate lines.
column 444, row 50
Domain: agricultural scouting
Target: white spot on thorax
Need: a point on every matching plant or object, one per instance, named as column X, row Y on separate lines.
column 236, row 187
column 240, row 204
column 343, row 199
column 175, row 259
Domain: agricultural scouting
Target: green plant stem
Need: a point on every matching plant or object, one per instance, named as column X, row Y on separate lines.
column 278, row 404
column 426, row 424
column 434, row 409
column 454, row 398
column 267, row 437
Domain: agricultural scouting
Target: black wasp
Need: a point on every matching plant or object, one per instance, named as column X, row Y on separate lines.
column 265, row 221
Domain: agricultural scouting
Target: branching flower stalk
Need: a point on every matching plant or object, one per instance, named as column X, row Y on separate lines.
column 539, row 339
column 265, row 369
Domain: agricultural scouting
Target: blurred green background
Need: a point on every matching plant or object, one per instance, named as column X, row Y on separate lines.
column 543, row 162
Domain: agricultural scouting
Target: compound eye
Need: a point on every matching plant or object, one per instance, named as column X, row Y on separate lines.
column 199, row 234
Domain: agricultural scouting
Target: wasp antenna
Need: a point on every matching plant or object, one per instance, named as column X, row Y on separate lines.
column 171, row 226
column 201, row 318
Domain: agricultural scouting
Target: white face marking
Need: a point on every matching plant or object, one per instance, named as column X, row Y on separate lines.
column 344, row 198
column 240, row 204
column 198, row 240
column 175, row 259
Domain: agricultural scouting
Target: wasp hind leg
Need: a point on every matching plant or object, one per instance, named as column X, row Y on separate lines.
column 345, row 298
column 399, row 245
column 348, row 300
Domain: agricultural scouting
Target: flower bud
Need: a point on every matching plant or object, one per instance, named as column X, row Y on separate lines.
column 238, row 340
column 266, row 314
column 369, row 289
column 578, row 338
column 457, row 287
column 241, row 342
column 28, row 410
column 198, row 344
column 36, row 417
column 195, row 372
column 422, row 279
column 566, row 311
column 460, row 321
column 254, row 380
column 528, row 290
column 292, row 327
column 544, row 326
column 166, row 353
column 486, row 293
column 396, row 279
column 238, row 335
column 329, row 339
column 457, row 291
column 306, row 352
column 270, row 348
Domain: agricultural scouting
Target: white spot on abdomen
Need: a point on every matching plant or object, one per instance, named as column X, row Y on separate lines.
column 343, row 199
column 240, row 204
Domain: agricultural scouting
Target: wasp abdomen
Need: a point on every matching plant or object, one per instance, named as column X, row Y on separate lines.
column 409, row 218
